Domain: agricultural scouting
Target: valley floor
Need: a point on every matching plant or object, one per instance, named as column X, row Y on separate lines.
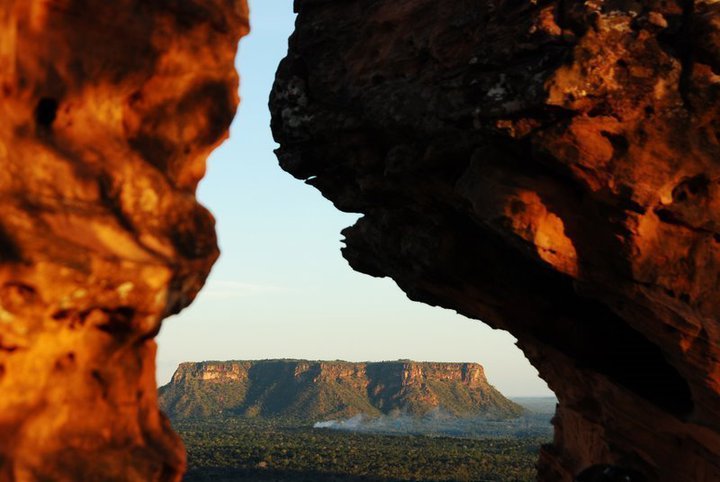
column 237, row 449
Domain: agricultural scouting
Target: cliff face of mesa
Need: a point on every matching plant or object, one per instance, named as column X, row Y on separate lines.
column 109, row 110
column 549, row 168
column 320, row 390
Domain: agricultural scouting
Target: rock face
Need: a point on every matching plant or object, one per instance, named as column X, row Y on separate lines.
column 109, row 110
column 319, row 390
column 550, row 168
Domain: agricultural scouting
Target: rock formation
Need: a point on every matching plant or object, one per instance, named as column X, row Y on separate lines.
column 109, row 110
column 550, row 168
column 320, row 390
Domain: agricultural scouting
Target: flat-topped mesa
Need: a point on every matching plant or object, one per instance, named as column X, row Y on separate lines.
column 109, row 110
column 325, row 389
column 550, row 168
column 406, row 372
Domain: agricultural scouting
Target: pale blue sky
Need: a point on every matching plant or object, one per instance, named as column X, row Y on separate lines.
column 281, row 288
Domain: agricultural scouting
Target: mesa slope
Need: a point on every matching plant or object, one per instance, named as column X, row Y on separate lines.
column 319, row 389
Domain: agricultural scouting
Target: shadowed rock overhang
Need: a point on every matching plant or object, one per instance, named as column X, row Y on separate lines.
column 550, row 168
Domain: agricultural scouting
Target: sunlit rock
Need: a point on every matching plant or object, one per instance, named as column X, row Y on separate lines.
column 109, row 110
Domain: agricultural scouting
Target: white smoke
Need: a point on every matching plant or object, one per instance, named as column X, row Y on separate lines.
column 353, row 423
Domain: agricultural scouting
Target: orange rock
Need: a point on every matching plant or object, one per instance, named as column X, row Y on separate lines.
column 109, row 111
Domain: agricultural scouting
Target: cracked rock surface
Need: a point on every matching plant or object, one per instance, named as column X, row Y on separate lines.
column 109, row 110
column 550, row 168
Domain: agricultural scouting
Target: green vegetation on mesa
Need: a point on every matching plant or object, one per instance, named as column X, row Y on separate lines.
column 315, row 390
column 224, row 450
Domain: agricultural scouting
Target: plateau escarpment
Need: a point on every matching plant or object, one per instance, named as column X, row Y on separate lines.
column 549, row 168
column 109, row 110
column 315, row 390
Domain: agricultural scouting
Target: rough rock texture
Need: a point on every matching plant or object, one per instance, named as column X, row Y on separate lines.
column 109, row 110
column 548, row 167
column 319, row 390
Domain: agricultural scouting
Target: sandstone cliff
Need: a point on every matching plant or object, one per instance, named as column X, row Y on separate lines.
column 109, row 110
column 550, row 168
column 320, row 390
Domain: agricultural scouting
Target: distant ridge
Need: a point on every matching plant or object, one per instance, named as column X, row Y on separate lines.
column 315, row 390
